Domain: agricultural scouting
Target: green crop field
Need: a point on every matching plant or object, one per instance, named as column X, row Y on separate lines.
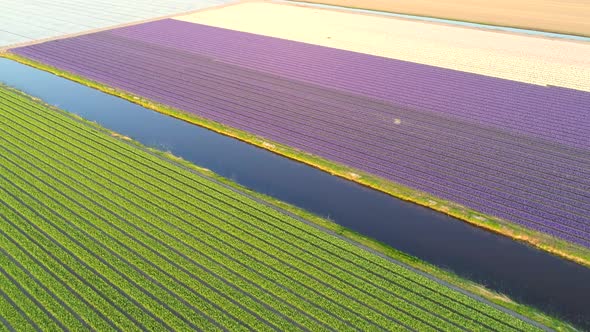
column 98, row 233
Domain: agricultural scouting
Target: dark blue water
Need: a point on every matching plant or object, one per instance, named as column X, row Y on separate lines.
column 525, row 274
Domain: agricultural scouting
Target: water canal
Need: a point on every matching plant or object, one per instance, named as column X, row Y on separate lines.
column 525, row 274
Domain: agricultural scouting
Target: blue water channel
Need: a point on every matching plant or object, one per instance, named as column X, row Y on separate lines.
column 525, row 274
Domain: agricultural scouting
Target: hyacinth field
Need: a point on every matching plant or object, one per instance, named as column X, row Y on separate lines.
column 512, row 150
column 100, row 234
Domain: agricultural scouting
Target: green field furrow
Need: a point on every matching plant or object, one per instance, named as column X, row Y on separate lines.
column 50, row 302
column 5, row 325
column 396, row 312
column 14, row 315
column 124, row 294
column 193, row 241
column 142, row 243
column 102, row 248
column 92, row 317
column 98, row 233
column 89, row 286
column 446, row 313
column 73, row 175
column 35, row 310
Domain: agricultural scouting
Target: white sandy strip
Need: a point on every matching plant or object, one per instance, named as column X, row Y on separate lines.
column 524, row 58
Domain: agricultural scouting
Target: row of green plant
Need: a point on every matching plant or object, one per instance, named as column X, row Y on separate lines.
column 111, row 153
column 89, row 268
column 108, row 233
column 291, row 249
column 155, row 229
column 152, row 230
column 152, row 205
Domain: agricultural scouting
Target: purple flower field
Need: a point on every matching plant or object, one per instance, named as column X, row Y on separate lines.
column 513, row 150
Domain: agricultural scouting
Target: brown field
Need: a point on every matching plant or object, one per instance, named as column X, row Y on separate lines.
column 562, row 16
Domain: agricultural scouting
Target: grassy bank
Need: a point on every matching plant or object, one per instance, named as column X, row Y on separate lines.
column 540, row 240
